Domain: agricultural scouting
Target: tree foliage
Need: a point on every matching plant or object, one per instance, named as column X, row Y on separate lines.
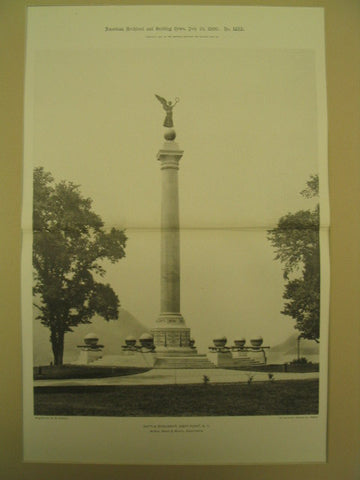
column 69, row 246
column 296, row 243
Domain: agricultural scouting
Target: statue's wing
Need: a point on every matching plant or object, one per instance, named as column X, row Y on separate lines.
column 161, row 99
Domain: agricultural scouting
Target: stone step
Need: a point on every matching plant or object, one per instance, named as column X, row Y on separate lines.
column 229, row 362
column 183, row 362
column 242, row 365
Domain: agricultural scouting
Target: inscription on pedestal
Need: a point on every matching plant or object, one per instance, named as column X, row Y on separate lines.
column 164, row 337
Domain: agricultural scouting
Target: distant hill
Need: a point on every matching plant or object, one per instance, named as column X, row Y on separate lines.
column 289, row 346
column 111, row 334
column 287, row 350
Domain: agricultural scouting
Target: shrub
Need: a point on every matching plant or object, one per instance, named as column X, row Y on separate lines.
column 250, row 378
column 300, row 361
column 206, row 379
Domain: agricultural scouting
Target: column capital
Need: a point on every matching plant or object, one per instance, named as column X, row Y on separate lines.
column 170, row 155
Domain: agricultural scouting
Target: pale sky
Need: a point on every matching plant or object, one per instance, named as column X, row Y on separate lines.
column 247, row 122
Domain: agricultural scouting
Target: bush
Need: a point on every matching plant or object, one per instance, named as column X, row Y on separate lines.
column 250, row 378
column 206, row 379
column 300, row 361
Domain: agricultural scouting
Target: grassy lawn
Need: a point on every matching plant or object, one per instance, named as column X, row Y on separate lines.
column 286, row 397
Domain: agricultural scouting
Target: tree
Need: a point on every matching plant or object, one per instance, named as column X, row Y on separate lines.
column 69, row 245
column 296, row 243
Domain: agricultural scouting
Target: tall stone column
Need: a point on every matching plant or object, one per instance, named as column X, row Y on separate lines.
column 170, row 334
column 169, row 157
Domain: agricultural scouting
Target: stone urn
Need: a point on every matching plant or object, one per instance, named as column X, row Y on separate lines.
column 240, row 343
column 91, row 340
column 130, row 341
column 220, row 342
column 146, row 340
column 256, row 342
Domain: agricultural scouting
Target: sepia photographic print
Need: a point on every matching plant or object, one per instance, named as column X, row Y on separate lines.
column 175, row 235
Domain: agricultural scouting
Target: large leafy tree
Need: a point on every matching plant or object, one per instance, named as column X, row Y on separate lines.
column 69, row 246
column 296, row 243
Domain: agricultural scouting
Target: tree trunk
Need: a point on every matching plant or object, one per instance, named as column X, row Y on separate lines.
column 57, row 343
column 298, row 347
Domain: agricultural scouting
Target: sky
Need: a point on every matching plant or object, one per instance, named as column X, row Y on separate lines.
column 247, row 122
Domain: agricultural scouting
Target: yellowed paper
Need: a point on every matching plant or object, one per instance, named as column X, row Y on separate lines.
column 251, row 121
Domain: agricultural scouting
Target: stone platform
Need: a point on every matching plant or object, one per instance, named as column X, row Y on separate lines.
column 186, row 359
column 152, row 360
column 137, row 359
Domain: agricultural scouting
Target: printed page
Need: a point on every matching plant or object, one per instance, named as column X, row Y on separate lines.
column 175, row 263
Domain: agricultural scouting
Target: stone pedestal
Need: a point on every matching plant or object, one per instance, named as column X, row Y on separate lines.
column 90, row 350
column 89, row 356
column 221, row 359
column 174, row 340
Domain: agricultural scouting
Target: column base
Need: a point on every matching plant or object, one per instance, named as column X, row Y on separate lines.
column 168, row 319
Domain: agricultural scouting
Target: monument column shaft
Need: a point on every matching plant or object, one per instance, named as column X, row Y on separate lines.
column 171, row 336
column 170, row 240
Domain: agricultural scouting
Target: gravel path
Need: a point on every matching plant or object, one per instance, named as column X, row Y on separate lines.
column 181, row 376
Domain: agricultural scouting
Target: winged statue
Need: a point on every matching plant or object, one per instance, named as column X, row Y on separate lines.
column 168, row 107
